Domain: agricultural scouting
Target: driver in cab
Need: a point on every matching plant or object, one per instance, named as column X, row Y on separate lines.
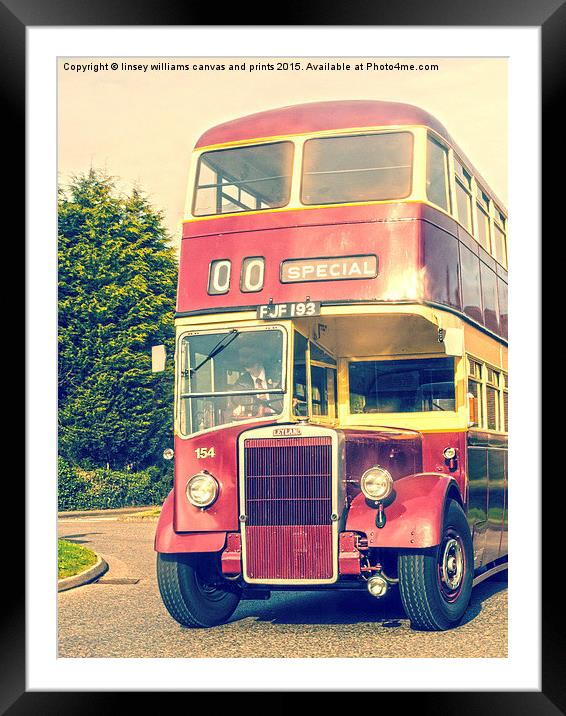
column 254, row 376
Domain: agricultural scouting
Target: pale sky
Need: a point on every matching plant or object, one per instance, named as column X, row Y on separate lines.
column 141, row 126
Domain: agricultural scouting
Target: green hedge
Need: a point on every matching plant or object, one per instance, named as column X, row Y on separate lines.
column 81, row 489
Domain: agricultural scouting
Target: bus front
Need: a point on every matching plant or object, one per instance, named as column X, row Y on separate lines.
column 321, row 401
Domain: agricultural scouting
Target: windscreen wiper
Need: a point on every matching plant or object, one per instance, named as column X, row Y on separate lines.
column 218, row 348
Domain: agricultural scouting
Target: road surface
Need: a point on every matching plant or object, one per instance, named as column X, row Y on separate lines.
column 122, row 615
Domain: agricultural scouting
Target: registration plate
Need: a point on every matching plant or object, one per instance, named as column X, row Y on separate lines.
column 288, row 310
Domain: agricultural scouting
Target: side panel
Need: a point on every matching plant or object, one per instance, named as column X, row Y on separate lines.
column 414, row 518
column 477, row 499
column 396, row 451
column 391, row 237
column 504, row 526
column 421, row 254
column 487, row 502
column 496, row 463
column 434, row 445
column 441, row 258
column 167, row 541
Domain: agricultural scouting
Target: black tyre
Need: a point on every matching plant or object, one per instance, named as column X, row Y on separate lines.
column 192, row 593
column 436, row 584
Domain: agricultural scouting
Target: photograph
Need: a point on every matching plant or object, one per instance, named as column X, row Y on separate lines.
column 282, row 347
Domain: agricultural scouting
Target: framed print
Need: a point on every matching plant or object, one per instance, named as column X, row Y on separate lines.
column 278, row 451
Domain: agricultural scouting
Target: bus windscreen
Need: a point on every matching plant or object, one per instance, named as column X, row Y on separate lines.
column 231, row 376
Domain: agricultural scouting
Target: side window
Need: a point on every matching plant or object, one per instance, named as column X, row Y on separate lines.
column 300, row 397
column 505, row 400
column 323, row 382
column 437, row 174
column 500, row 238
column 463, row 195
column 487, row 392
column 482, row 214
column 475, row 393
column 492, row 399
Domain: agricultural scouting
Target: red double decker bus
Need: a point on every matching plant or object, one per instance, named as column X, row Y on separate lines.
column 341, row 366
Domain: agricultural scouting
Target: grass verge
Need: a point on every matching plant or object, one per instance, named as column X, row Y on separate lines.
column 151, row 514
column 74, row 558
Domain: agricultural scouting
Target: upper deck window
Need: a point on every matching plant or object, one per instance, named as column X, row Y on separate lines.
column 482, row 206
column 463, row 195
column 499, row 238
column 369, row 167
column 437, row 187
column 243, row 179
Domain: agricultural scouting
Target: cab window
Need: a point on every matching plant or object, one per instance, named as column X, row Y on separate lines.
column 314, row 379
column 323, row 382
column 300, row 398
column 229, row 376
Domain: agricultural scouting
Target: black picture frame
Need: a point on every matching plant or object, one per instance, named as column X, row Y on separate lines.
column 550, row 16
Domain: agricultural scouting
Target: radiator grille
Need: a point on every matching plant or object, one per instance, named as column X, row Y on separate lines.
column 288, row 495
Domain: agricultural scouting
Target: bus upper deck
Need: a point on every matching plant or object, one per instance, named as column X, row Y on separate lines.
column 342, row 202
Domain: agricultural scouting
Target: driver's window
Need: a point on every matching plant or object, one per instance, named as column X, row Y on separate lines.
column 300, row 398
column 323, row 382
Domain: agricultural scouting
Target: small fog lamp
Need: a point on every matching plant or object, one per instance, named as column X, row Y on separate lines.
column 376, row 483
column 202, row 490
column 377, row 585
column 168, row 454
column 449, row 453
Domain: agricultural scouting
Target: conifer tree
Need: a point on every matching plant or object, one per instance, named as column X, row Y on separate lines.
column 117, row 279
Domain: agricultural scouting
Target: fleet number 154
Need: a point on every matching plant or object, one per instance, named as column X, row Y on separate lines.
column 203, row 452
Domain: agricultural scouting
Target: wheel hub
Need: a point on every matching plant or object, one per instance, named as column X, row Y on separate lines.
column 452, row 565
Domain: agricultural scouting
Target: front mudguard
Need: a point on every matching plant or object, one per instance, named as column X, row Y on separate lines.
column 414, row 516
column 167, row 541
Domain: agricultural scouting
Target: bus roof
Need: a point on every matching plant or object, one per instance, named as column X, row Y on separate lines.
column 327, row 116
column 316, row 117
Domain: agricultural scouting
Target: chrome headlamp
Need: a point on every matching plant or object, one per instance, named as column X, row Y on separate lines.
column 376, row 483
column 202, row 490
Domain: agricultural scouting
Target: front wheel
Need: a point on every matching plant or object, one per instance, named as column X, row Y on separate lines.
column 436, row 584
column 192, row 591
